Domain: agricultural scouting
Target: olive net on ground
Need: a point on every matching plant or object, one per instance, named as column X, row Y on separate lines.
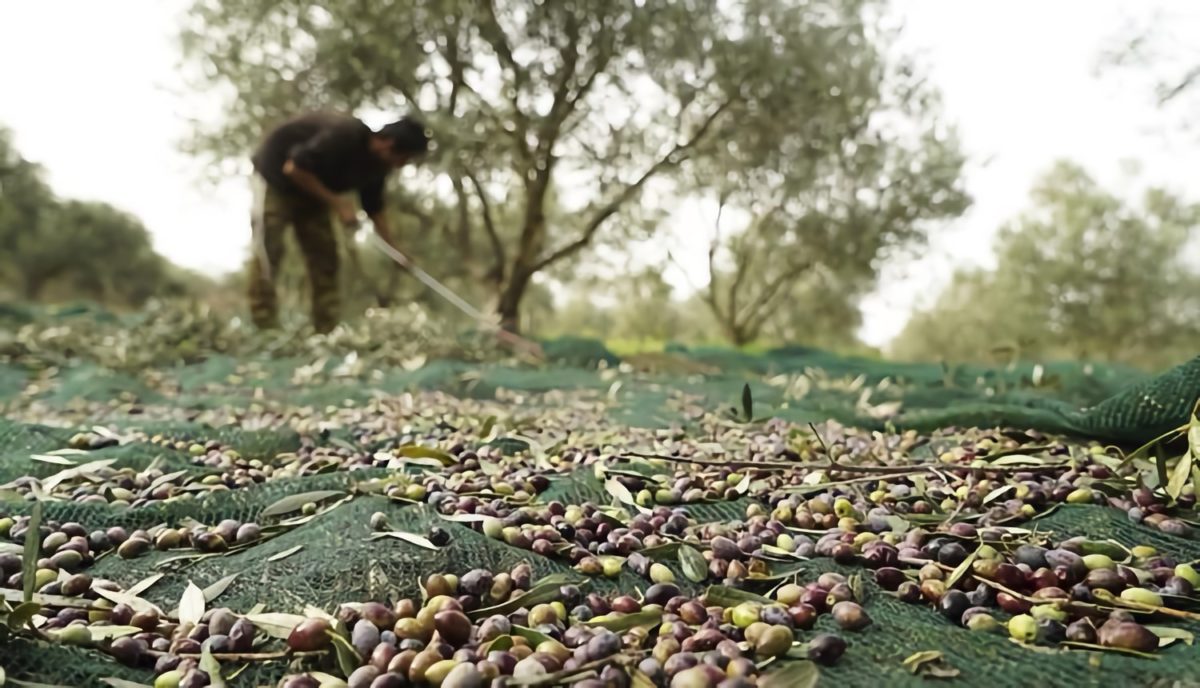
column 332, row 558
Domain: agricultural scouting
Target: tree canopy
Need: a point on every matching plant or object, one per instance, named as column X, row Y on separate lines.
column 1083, row 275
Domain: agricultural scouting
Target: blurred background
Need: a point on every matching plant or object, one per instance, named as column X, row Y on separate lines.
column 917, row 179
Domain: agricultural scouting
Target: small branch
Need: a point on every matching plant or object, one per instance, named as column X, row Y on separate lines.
column 819, row 438
column 610, row 209
column 489, row 225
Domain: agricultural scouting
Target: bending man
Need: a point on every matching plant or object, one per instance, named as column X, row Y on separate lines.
column 303, row 169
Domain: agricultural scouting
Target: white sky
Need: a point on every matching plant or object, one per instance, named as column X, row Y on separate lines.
column 90, row 89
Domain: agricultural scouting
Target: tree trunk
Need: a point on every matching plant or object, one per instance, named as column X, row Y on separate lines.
column 509, row 304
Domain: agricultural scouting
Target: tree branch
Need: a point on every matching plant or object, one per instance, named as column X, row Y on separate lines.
column 611, row 208
column 489, row 226
column 494, row 34
column 759, row 312
column 1168, row 94
column 712, row 255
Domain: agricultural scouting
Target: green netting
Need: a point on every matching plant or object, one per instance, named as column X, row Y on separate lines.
column 331, row 558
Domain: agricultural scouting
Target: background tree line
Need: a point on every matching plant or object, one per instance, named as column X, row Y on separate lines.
column 54, row 249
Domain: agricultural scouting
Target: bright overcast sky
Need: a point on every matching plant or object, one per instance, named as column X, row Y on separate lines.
column 90, row 90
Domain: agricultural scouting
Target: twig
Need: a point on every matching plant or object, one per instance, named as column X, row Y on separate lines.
column 819, row 439
column 257, row 656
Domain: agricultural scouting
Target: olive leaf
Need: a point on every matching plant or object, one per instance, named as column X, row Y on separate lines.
column 742, row 485
column 145, row 584
column 136, row 603
column 285, row 553
column 641, row 680
column 961, row 570
column 210, row 666
column 898, row 524
column 419, row 540
column 723, row 596
column 347, row 657
column 620, row 624
column 747, row 402
column 275, row 625
column 115, row 683
column 694, row 566
column 49, row 458
column 295, row 502
column 1109, row 648
column 1180, row 475
column 498, row 644
column 1167, row 635
column 930, row 663
column 48, row 484
column 547, row 590
column 661, row 552
column 166, row 478
column 1019, row 460
column 622, row 494
column 914, row 661
column 801, row 674
column 534, row 638
column 191, row 604
column 996, row 493
column 856, row 587
column 416, row 451
column 102, row 633
column 23, row 614
column 32, row 546
column 1113, row 549
column 465, row 518
column 214, row 591
column 486, row 428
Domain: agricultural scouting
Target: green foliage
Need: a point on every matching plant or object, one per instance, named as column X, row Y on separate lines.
column 1082, row 275
column 551, row 119
column 54, row 250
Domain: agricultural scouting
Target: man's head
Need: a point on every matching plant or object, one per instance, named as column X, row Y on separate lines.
column 400, row 142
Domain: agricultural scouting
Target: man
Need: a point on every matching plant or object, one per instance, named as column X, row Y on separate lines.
column 302, row 171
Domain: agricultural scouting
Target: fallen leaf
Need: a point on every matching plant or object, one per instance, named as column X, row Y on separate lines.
column 32, row 547
column 285, row 553
column 418, row 540
column 695, row 567
column 102, row 633
column 145, row 584
column 791, row 674
column 191, row 604
column 117, row 683
column 275, row 625
column 210, row 666
column 295, row 502
column 214, row 591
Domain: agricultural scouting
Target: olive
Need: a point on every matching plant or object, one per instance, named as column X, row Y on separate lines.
column 951, row 554
column 826, row 649
column 309, row 635
column 1081, row 631
column 889, row 578
column 850, row 616
column 953, row 604
column 128, row 651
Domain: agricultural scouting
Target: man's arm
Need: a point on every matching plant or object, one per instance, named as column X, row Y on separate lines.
column 306, row 157
column 371, row 197
column 309, row 182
